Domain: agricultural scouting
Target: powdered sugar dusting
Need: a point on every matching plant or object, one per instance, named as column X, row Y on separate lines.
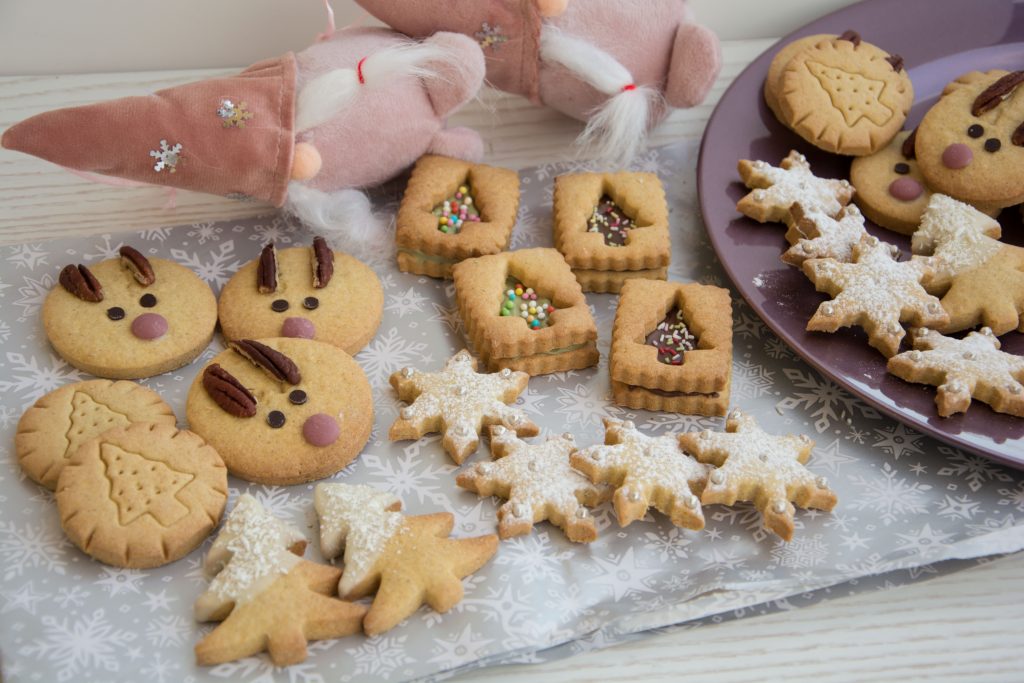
column 793, row 182
column 356, row 519
column 827, row 237
column 250, row 551
column 956, row 237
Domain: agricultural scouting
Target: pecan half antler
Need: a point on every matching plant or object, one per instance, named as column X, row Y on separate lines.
column 851, row 36
column 139, row 266
column 896, row 62
column 323, row 263
column 266, row 270
column 80, row 281
column 275, row 363
column 227, row 392
column 992, row 96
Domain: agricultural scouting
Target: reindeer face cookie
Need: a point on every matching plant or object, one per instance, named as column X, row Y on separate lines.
column 282, row 411
column 130, row 317
column 970, row 145
column 303, row 292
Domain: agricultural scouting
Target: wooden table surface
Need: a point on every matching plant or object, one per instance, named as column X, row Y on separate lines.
column 966, row 626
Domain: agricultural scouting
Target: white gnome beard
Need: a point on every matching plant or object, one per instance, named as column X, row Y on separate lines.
column 617, row 130
column 344, row 217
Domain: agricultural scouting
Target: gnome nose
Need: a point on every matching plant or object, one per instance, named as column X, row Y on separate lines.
column 957, row 156
column 905, row 189
column 298, row 327
column 149, row 326
column 321, row 430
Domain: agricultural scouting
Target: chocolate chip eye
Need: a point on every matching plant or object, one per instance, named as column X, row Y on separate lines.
column 275, row 419
column 310, row 303
column 976, row 131
column 901, row 168
column 279, row 306
column 992, row 145
column 147, row 301
column 297, row 397
column 115, row 313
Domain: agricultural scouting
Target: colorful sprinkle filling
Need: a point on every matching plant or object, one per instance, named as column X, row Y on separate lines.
column 611, row 221
column 522, row 301
column 454, row 211
column 672, row 338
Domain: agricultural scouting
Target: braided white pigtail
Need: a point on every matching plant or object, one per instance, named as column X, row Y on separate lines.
column 617, row 129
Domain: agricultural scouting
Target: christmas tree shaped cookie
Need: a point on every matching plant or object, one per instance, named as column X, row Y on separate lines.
column 267, row 596
column 538, row 484
column 142, row 496
column 55, row 427
column 453, row 210
column 406, row 561
column 756, row 466
column 647, row 472
column 962, row 369
column 460, row 402
column 774, row 190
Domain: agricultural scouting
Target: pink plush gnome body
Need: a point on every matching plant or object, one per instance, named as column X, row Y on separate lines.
column 619, row 65
column 304, row 131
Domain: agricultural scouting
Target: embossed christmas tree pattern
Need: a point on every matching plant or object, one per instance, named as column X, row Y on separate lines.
column 140, row 486
column 855, row 96
column 89, row 418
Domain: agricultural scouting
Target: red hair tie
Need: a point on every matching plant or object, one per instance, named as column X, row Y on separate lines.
column 359, row 71
column 627, row 88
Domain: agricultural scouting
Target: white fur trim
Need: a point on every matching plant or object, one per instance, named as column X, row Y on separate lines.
column 329, row 93
column 617, row 130
column 344, row 217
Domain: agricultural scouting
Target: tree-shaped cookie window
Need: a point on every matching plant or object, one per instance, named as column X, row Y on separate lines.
column 673, row 338
column 457, row 209
column 522, row 301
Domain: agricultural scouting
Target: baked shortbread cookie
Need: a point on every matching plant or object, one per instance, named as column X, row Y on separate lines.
column 773, row 81
column 142, row 496
column 672, row 348
column 282, row 411
column 406, row 561
column 647, row 472
column 759, row 467
column 845, row 95
column 129, row 317
column 453, row 210
column 304, row 292
column 524, row 310
column 58, row 423
column 611, row 227
column 266, row 595
column 774, row 190
column 538, row 483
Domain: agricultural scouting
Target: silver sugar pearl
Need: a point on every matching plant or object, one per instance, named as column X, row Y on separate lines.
column 806, row 247
column 505, row 373
column 533, row 466
column 1014, row 388
column 779, row 507
column 514, row 420
column 933, row 307
column 822, row 482
column 717, row 477
column 628, row 424
column 498, row 430
column 955, row 388
column 568, row 436
column 519, row 510
column 872, row 241
column 763, row 457
column 915, row 356
column 633, row 496
column 968, row 355
column 407, row 372
column 483, row 467
column 582, row 513
column 406, row 413
column 827, row 309
column 987, row 331
column 461, row 430
column 896, row 328
column 461, row 391
column 692, row 502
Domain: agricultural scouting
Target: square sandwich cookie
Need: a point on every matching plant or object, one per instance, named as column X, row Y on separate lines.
column 524, row 310
column 612, row 227
column 454, row 210
column 672, row 348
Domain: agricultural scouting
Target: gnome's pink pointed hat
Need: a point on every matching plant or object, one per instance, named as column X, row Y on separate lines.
column 231, row 136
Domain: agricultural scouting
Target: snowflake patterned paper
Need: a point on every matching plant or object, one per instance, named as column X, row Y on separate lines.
column 907, row 502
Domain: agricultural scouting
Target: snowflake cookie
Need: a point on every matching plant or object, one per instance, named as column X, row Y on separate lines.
column 648, row 472
column 539, row 484
column 460, row 402
column 776, row 189
column 756, row 466
column 875, row 292
column 406, row 560
column 962, row 369
column 815, row 234
column 268, row 597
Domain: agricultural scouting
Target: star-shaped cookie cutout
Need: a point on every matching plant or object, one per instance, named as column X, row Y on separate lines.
column 647, row 472
column 268, row 597
column 875, row 292
column 538, row 483
column 962, row 369
column 776, row 189
column 815, row 234
column 460, row 402
column 407, row 561
column 760, row 467
column 954, row 238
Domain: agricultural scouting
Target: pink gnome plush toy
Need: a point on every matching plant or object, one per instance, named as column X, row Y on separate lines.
column 616, row 64
column 304, row 131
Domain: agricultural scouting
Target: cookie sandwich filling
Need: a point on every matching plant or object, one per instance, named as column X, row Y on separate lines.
column 611, row 221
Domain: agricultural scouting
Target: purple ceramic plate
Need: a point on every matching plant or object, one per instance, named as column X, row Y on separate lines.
column 939, row 39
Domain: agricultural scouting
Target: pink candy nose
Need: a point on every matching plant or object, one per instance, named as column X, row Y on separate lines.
column 149, row 326
column 298, row 327
column 905, row 189
column 321, row 430
column 957, row 156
